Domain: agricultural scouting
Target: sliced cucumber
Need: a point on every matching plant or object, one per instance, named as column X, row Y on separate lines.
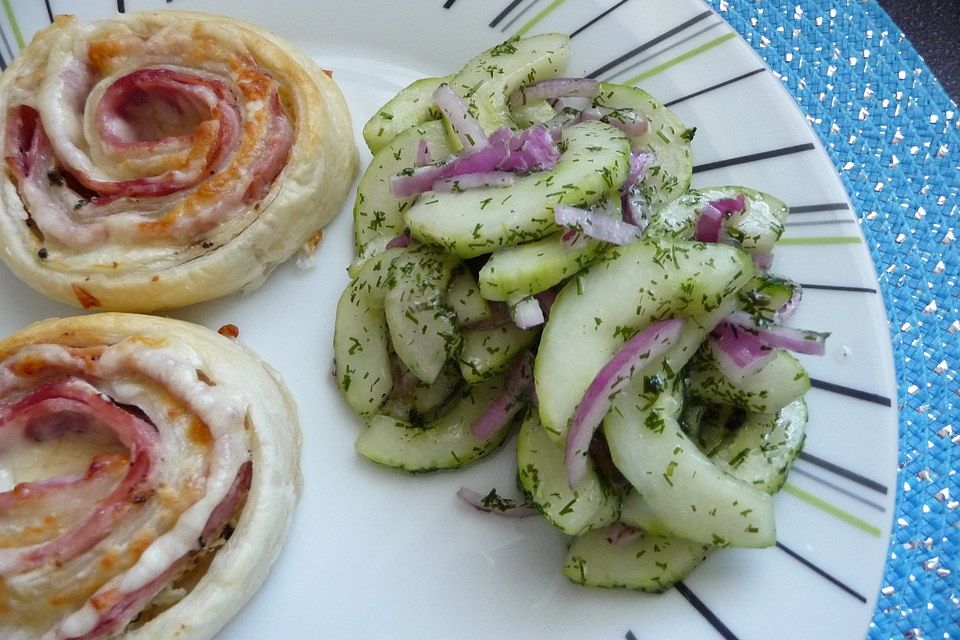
column 756, row 229
column 424, row 402
column 693, row 497
column 487, row 80
column 477, row 221
column 377, row 213
column 487, row 352
column 606, row 305
column 465, row 300
column 444, row 443
column 761, row 450
column 360, row 346
column 422, row 327
column 536, row 266
column 765, row 295
column 768, row 390
column 543, row 477
column 643, row 562
column 667, row 138
column 413, row 105
column 531, row 113
column 636, row 513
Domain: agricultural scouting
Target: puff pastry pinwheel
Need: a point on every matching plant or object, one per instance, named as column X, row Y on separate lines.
column 149, row 469
column 156, row 160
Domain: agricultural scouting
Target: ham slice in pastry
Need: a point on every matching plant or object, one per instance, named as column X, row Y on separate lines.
column 148, row 474
column 159, row 159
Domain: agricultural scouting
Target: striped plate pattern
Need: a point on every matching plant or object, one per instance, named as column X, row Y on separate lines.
column 834, row 514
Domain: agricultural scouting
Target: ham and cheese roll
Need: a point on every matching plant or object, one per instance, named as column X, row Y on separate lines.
column 159, row 159
column 148, row 473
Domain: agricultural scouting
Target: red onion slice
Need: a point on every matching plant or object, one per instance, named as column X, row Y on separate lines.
column 762, row 260
column 493, row 503
column 597, row 225
column 526, row 312
column 399, row 241
column 531, row 149
column 480, row 160
column 639, row 161
column 467, row 128
column 516, row 391
column 797, row 340
column 553, row 88
column 424, row 157
column 632, row 358
column 712, row 215
column 738, row 353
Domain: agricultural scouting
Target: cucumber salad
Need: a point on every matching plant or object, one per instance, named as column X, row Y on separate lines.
column 530, row 252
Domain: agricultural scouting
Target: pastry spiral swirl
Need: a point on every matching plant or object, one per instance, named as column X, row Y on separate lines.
column 148, row 473
column 159, row 159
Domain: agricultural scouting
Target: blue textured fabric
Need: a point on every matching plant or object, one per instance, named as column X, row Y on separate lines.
column 894, row 137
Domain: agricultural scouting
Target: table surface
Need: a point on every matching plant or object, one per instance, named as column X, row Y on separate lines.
column 933, row 27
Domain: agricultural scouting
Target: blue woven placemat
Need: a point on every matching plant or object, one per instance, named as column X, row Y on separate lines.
column 894, row 137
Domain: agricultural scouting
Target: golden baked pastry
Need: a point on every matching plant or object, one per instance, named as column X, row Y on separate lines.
column 149, row 469
column 155, row 160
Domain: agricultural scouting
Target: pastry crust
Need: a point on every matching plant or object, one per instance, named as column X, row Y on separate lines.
column 218, row 234
column 270, row 425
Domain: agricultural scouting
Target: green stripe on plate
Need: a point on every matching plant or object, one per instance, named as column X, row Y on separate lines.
column 540, row 16
column 13, row 23
column 821, row 240
column 836, row 512
column 680, row 58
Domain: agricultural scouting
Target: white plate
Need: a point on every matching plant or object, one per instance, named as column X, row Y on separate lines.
column 376, row 554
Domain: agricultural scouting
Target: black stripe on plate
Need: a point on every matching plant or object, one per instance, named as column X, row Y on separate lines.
column 796, row 556
column 650, row 43
column 817, row 208
column 6, row 43
column 705, row 611
column 121, row 6
column 843, row 473
column 814, row 223
column 826, row 483
column 448, row 4
column 836, row 287
column 859, row 394
column 714, row 87
column 49, row 10
column 599, row 17
column 503, row 14
column 753, row 157
column 3, row 63
column 630, row 636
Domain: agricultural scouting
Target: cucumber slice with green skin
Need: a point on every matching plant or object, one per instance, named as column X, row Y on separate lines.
column 424, row 402
column 444, row 443
column 487, row 80
column 465, row 299
column 543, row 477
column 765, row 295
column 423, row 329
column 632, row 286
column 360, row 346
column 643, row 562
column 755, row 229
column 533, row 112
column 636, row 513
column 377, row 213
column 536, row 266
column 693, row 496
column 413, row 105
column 477, row 221
column 667, row 138
column 487, row 352
column 761, row 450
column 773, row 387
